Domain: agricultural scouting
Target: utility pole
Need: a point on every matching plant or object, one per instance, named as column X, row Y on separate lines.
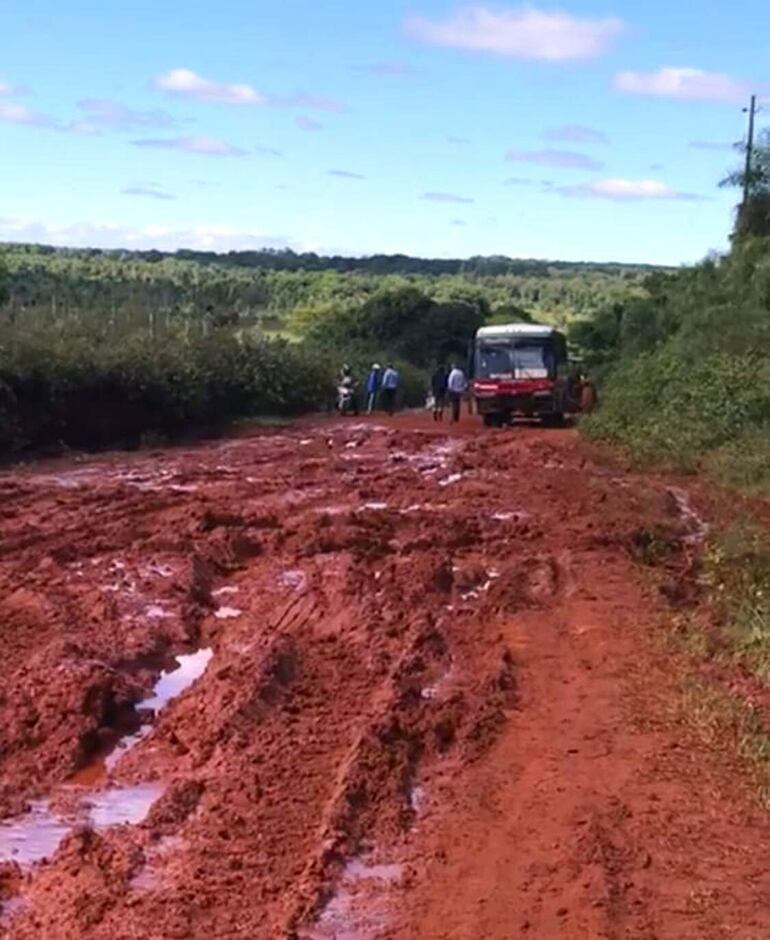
column 752, row 110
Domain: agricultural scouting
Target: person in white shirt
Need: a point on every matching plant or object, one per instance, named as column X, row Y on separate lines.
column 390, row 382
column 456, row 385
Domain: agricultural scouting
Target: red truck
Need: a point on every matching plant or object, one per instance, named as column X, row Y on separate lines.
column 523, row 370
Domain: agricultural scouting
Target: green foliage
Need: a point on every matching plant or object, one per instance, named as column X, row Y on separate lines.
column 688, row 370
column 737, row 576
column 99, row 347
column 753, row 216
column 402, row 321
column 77, row 391
column 265, row 289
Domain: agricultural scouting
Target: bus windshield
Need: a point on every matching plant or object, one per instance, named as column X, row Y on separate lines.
column 515, row 359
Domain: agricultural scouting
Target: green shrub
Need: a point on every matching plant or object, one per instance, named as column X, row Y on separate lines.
column 80, row 392
column 687, row 371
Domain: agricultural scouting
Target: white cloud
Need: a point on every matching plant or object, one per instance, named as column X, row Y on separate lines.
column 6, row 89
column 566, row 159
column 209, row 146
column 576, row 134
column 445, row 197
column 345, row 174
column 307, row 124
column 151, row 190
column 112, row 235
column 685, row 84
column 623, row 190
column 521, row 32
column 185, row 83
column 101, row 112
column 13, row 113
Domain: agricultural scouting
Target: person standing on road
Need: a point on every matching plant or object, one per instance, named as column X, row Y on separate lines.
column 372, row 387
column 457, row 385
column 438, row 390
column 390, row 382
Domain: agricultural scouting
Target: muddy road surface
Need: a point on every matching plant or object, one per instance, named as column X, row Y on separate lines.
column 356, row 680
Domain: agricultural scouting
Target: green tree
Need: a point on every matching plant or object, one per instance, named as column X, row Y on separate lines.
column 753, row 214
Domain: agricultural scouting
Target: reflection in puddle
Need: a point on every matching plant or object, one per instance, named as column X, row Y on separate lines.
column 38, row 834
column 360, row 907
column 519, row 516
column 172, row 683
column 227, row 613
column 228, row 589
column 357, row 868
column 452, row 478
column 295, row 580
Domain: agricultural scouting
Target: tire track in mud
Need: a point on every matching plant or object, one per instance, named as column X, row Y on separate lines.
column 372, row 598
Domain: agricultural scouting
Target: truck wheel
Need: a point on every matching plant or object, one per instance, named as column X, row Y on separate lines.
column 554, row 419
column 493, row 421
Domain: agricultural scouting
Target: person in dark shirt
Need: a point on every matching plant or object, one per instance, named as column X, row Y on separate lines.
column 438, row 389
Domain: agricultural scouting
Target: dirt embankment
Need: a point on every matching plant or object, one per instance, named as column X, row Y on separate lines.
column 352, row 681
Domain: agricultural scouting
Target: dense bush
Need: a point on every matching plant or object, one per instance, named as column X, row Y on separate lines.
column 77, row 392
column 687, row 367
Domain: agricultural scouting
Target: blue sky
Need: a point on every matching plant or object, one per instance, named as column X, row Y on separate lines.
column 578, row 131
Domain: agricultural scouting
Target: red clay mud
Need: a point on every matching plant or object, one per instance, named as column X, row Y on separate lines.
column 431, row 708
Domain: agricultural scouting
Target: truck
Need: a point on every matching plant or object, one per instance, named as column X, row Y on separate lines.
column 524, row 370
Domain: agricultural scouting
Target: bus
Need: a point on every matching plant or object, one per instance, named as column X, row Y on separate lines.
column 523, row 370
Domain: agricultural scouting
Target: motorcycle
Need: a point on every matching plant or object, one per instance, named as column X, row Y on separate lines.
column 346, row 397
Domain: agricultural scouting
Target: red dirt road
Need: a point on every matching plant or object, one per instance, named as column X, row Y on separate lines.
column 429, row 700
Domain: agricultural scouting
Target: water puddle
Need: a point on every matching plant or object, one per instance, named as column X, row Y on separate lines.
column 360, row 907
column 375, row 506
column 293, row 580
column 172, row 682
column 224, row 591
column 227, row 613
column 358, row 869
column 519, row 516
column 38, row 834
column 452, row 478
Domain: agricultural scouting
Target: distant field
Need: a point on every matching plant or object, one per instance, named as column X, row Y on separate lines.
column 276, row 291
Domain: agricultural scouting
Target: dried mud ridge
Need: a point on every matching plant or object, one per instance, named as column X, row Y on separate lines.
column 286, row 686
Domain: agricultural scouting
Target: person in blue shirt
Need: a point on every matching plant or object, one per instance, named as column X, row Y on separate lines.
column 372, row 387
column 390, row 383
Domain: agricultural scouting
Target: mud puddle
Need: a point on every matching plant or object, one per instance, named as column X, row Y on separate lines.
column 172, row 683
column 38, row 834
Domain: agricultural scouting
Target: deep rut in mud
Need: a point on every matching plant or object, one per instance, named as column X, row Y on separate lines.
column 369, row 682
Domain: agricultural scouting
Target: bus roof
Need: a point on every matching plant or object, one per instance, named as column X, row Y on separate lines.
column 501, row 330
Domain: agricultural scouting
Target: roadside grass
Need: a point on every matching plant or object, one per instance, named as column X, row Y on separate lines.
column 736, row 575
column 744, row 463
column 732, row 631
column 717, row 717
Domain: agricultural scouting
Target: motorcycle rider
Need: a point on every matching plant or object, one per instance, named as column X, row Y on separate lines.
column 346, row 391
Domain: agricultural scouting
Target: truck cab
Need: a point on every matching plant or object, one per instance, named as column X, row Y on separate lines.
column 521, row 370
